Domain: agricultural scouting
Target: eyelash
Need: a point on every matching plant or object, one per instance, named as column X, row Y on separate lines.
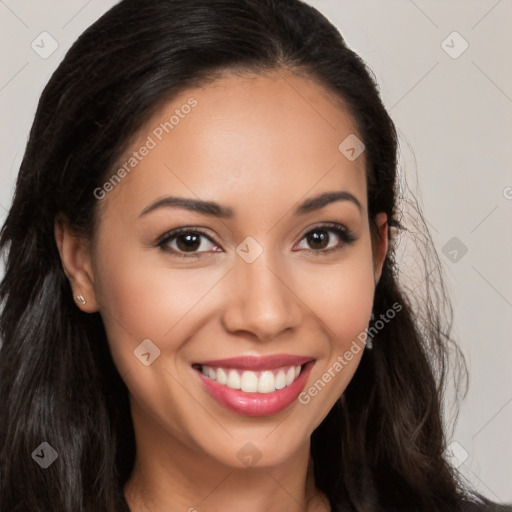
column 346, row 236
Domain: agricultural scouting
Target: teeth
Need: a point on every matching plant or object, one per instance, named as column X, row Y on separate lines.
column 290, row 376
column 266, row 383
column 222, row 378
column 248, row 381
column 280, row 381
column 233, row 380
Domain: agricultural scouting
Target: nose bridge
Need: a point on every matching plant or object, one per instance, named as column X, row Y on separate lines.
column 261, row 302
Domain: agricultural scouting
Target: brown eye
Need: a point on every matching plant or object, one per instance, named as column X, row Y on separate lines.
column 188, row 242
column 318, row 239
column 324, row 239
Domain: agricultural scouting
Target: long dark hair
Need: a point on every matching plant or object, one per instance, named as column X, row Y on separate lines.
column 380, row 448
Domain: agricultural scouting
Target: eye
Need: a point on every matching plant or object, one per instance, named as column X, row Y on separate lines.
column 187, row 242
column 326, row 238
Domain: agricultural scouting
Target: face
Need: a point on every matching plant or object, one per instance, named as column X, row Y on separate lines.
column 235, row 252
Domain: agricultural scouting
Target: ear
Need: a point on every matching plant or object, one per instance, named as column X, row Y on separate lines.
column 381, row 250
column 76, row 261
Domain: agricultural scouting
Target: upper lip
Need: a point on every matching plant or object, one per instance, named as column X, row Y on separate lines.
column 257, row 362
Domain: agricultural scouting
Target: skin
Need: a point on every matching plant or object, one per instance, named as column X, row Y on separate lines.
column 258, row 145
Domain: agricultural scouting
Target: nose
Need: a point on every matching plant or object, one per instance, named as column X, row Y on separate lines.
column 262, row 301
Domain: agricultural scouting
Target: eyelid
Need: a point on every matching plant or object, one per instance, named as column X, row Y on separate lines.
column 328, row 226
column 181, row 230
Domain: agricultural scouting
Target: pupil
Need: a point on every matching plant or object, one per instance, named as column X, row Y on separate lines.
column 188, row 242
column 318, row 239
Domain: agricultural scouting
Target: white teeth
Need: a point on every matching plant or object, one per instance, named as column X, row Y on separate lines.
column 265, row 381
column 233, row 380
column 280, row 381
column 249, row 382
column 290, row 376
column 222, row 378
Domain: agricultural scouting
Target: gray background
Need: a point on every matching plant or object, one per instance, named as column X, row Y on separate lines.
column 453, row 112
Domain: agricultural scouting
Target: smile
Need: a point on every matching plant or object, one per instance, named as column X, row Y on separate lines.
column 255, row 386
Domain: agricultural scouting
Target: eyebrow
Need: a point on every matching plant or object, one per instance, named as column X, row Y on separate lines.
column 322, row 200
column 216, row 210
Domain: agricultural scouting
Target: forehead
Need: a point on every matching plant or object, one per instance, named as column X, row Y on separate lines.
column 272, row 135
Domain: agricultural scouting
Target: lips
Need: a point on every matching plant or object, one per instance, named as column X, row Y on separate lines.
column 255, row 386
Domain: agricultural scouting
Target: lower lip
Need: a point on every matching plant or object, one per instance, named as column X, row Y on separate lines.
column 257, row 404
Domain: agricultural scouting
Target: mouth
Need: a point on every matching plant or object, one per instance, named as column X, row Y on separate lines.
column 255, row 386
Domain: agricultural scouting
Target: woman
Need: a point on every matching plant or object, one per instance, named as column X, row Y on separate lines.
column 201, row 307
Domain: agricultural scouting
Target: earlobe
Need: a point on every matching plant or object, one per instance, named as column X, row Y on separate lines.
column 75, row 258
column 380, row 252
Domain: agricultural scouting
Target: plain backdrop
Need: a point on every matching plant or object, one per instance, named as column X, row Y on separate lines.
column 444, row 73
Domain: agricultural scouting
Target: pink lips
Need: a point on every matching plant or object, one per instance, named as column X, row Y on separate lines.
column 252, row 403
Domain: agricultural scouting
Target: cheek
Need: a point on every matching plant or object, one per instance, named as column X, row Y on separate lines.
column 342, row 298
column 141, row 299
column 340, row 295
